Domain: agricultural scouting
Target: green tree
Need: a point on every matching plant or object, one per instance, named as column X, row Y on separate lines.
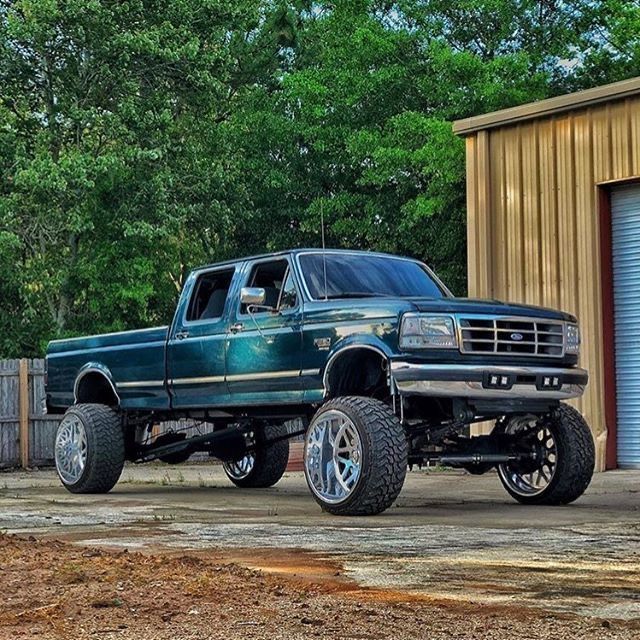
column 116, row 169
column 139, row 139
column 358, row 130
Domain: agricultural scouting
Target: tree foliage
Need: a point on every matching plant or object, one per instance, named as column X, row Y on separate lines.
column 139, row 139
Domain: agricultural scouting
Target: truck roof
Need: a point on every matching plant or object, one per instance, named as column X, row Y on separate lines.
column 292, row 252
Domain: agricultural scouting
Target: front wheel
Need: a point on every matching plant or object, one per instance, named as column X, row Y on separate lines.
column 355, row 456
column 564, row 462
column 89, row 448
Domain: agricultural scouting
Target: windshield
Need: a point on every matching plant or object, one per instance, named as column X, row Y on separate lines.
column 353, row 275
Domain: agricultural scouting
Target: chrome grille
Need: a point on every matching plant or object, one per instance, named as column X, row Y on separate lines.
column 512, row 336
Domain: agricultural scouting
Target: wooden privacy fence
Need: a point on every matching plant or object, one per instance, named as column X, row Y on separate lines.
column 26, row 432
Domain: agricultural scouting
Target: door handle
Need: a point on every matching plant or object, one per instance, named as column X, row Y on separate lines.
column 237, row 327
column 181, row 335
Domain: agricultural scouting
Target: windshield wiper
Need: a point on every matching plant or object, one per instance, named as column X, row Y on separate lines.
column 357, row 294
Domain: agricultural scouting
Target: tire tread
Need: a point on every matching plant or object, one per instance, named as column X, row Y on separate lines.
column 576, row 460
column 106, row 450
column 380, row 483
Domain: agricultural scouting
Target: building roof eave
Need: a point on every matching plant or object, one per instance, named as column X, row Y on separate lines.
column 548, row 107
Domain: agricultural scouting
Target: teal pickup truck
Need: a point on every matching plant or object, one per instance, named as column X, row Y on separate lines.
column 382, row 366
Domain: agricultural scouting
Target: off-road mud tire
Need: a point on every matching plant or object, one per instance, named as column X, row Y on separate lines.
column 105, row 448
column 384, row 456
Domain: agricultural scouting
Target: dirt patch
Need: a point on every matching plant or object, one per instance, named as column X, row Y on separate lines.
column 56, row 590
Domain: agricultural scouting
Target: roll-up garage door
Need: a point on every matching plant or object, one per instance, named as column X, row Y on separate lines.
column 625, row 233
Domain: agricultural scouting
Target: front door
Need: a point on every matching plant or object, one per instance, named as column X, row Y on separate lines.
column 264, row 342
column 196, row 348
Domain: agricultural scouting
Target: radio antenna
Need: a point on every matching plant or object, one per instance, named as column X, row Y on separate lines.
column 324, row 250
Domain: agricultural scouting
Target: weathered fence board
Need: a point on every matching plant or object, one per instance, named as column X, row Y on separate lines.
column 9, row 400
column 21, row 414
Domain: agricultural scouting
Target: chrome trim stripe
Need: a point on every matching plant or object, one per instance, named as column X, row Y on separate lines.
column 201, row 380
column 242, row 377
column 140, row 383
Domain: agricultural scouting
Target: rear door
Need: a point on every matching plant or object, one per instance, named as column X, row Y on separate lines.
column 264, row 345
column 196, row 347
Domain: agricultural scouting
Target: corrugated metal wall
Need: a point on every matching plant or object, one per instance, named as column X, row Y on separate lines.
column 533, row 220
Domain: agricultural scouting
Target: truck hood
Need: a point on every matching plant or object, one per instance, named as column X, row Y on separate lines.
column 490, row 307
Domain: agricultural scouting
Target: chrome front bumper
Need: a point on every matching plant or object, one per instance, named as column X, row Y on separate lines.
column 488, row 382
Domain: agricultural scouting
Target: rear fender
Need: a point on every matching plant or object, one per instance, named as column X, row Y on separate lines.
column 96, row 368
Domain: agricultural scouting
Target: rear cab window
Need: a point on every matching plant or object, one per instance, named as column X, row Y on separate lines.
column 210, row 295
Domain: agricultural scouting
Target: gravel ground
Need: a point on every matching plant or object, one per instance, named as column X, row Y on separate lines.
column 58, row 590
column 179, row 553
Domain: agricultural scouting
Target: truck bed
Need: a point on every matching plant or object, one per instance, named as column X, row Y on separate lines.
column 128, row 357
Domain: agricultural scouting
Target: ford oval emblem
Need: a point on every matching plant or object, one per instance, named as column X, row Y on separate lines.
column 516, row 337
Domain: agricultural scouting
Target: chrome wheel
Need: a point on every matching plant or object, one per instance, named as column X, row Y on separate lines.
column 333, row 457
column 532, row 480
column 240, row 469
column 71, row 449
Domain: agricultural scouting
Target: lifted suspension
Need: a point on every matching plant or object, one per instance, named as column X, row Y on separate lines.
column 225, row 444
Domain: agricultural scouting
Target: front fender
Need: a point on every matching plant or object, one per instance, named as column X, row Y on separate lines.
column 357, row 341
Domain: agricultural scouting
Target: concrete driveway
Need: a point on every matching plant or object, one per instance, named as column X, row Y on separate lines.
column 450, row 535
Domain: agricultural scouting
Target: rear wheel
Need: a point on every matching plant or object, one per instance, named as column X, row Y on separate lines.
column 89, row 448
column 264, row 466
column 564, row 462
column 355, row 457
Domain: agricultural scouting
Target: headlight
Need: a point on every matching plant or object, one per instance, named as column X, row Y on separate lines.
column 572, row 338
column 427, row 332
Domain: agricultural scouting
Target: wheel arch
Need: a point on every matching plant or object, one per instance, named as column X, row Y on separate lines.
column 363, row 349
column 94, row 383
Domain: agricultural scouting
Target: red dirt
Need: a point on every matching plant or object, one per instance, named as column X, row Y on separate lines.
column 57, row 590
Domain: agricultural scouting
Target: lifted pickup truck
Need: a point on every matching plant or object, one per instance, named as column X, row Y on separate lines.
column 383, row 365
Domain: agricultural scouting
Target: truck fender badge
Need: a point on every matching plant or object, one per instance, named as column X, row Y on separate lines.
column 517, row 336
column 322, row 343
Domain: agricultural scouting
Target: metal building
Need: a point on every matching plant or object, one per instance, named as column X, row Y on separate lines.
column 553, row 197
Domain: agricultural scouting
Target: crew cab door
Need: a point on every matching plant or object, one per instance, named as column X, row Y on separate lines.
column 264, row 344
column 196, row 346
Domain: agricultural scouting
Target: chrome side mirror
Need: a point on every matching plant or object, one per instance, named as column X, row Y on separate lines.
column 252, row 296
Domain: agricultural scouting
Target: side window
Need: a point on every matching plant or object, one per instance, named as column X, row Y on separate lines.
column 288, row 296
column 209, row 295
column 269, row 276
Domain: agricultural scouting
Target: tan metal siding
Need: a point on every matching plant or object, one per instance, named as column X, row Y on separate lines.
column 533, row 218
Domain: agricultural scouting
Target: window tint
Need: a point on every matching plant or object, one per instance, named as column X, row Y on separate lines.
column 209, row 295
column 268, row 276
column 355, row 275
